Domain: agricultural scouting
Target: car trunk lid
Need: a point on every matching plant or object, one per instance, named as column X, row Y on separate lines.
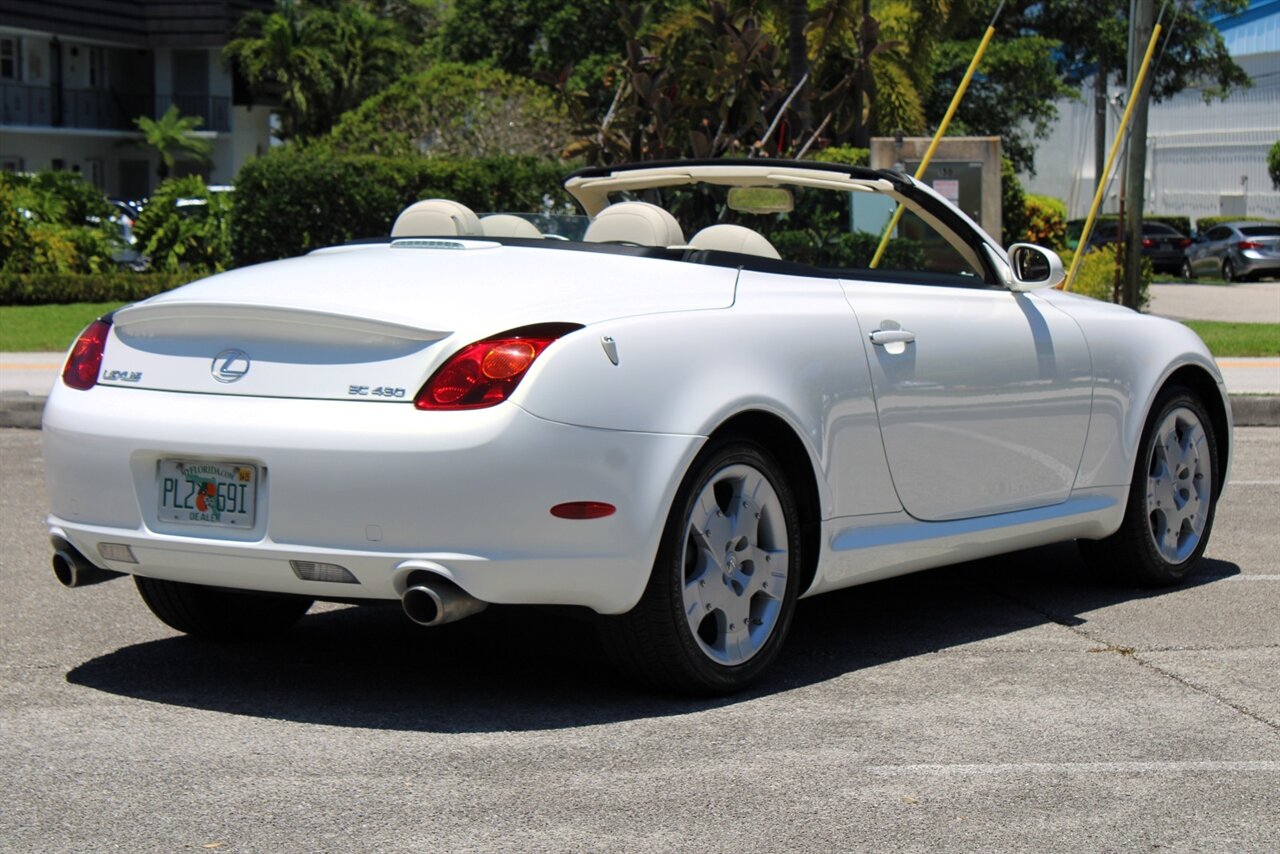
column 372, row 323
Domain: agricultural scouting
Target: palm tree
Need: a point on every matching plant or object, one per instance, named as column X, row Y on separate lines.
column 319, row 60
column 172, row 133
column 284, row 49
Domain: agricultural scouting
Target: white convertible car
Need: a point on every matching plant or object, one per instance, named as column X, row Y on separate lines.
column 707, row 407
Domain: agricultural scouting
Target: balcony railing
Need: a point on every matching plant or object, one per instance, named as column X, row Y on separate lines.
column 103, row 109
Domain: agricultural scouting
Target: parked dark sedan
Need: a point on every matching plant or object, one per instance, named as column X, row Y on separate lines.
column 1236, row 251
column 1163, row 244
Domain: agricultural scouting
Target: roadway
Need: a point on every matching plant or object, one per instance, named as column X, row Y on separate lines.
column 1007, row 704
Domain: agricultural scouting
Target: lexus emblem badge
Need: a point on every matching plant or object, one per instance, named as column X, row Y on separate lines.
column 229, row 366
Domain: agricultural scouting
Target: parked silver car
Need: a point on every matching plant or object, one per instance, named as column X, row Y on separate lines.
column 1236, row 251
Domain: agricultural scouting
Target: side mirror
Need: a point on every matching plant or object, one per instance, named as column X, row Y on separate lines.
column 1034, row 267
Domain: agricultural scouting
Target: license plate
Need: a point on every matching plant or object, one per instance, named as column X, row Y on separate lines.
column 215, row 494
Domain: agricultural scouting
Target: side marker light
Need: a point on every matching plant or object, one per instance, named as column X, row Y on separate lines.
column 583, row 510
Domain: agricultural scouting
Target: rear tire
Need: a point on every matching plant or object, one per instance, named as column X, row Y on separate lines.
column 1188, row 273
column 1228, row 271
column 1172, row 498
column 215, row 613
column 722, row 592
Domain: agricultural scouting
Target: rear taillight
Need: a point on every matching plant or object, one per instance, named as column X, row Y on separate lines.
column 487, row 372
column 1184, row 242
column 1147, row 243
column 1248, row 244
column 85, row 360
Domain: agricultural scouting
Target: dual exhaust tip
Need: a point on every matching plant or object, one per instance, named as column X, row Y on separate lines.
column 429, row 599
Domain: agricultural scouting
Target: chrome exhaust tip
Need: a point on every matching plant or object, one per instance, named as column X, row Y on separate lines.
column 432, row 600
column 73, row 569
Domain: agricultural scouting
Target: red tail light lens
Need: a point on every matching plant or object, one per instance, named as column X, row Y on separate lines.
column 1147, row 243
column 487, row 372
column 85, row 360
column 1248, row 244
column 1184, row 243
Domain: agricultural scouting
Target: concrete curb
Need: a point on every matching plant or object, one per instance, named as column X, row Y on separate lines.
column 18, row 409
column 1255, row 410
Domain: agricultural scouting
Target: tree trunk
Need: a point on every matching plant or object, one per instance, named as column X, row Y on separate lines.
column 798, row 65
column 1143, row 20
column 1100, row 125
column 863, row 85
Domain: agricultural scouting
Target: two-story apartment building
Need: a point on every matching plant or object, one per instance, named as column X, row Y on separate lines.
column 74, row 74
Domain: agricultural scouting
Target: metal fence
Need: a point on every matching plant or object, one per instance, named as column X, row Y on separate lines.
column 103, row 109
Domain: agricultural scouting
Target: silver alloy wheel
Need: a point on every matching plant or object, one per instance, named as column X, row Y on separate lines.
column 1179, row 480
column 734, row 564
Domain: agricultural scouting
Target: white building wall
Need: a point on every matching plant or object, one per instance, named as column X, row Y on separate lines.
column 1203, row 158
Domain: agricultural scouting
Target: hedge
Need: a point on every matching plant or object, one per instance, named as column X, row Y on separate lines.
column 48, row 288
column 304, row 197
column 1205, row 223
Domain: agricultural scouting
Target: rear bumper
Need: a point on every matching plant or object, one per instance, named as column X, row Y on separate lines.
column 379, row 489
column 1250, row 263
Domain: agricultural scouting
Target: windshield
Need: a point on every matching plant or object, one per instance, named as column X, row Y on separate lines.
column 833, row 229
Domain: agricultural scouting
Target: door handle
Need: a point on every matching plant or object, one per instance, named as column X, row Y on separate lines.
column 882, row 337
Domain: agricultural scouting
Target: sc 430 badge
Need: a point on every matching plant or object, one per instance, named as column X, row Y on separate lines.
column 379, row 391
column 122, row 376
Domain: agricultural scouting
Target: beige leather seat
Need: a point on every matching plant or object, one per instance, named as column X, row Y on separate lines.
column 733, row 238
column 635, row 222
column 506, row 225
column 437, row 218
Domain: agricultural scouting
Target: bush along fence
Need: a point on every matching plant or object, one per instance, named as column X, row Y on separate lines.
column 303, row 197
column 123, row 286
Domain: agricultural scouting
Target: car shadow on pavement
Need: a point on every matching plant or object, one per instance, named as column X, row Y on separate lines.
column 524, row 669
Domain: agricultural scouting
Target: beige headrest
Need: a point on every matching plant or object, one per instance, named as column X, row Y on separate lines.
column 436, row 217
column 733, row 238
column 506, row 225
column 635, row 222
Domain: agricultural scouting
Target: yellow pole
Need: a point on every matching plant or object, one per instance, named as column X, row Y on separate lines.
column 1111, row 159
column 942, row 129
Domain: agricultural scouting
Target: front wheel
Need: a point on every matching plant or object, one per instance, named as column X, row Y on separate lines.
column 1172, row 499
column 720, row 599
column 215, row 613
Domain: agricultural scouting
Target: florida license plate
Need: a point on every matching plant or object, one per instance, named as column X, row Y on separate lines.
column 196, row 492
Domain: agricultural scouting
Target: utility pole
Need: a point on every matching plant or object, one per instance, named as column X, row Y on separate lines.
column 1141, row 23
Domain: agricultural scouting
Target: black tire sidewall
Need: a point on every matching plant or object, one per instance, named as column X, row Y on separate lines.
column 669, row 571
column 1153, row 568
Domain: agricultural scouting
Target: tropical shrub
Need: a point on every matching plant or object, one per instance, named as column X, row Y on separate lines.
column 1099, row 273
column 185, row 227
column 303, row 197
column 1273, row 164
column 1046, row 221
column 846, row 154
column 1013, row 205
column 456, row 110
column 54, row 222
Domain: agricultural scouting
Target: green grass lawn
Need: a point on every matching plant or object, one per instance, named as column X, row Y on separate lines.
column 27, row 328
column 40, row 328
column 1238, row 339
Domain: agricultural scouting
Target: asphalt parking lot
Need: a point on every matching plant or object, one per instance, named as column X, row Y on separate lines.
column 1008, row 704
